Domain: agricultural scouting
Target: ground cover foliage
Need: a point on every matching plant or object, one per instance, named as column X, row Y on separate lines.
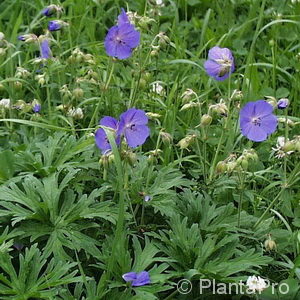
column 186, row 190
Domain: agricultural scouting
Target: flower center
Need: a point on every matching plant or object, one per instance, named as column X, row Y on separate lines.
column 225, row 64
column 119, row 40
column 256, row 121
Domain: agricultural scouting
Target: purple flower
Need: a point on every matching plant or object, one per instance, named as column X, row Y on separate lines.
column 56, row 25
column 133, row 125
column 257, row 120
column 27, row 38
column 220, row 63
column 37, row 108
column 48, row 11
column 122, row 38
column 147, row 198
column 45, row 49
column 137, row 279
column 51, row 10
column 283, row 103
column 101, row 138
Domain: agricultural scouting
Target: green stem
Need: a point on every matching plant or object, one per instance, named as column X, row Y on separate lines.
column 105, row 89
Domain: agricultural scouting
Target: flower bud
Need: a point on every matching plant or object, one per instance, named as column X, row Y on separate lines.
column 78, row 93
column 129, row 157
column 41, row 79
column 5, row 103
column 288, row 146
column 2, row 51
column 220, row 108
column 75, row 113
column 270, row 244
column 19, row 105
column 22, row 73
column 283, row 103
column 18, row 85
column 221, row 167
column 2, row 87
column 163, row 39
column 153, row 116
column 166, row 137
column 206, row 120
column 28, row 38
column 187, row 95
column 186, row 141
column 189, row 105
column 271, row 100
column 237, row 95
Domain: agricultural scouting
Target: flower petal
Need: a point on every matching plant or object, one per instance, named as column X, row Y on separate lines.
column 45, row 49
column 262, row 108
column 122, row 18
column 109, row 122
column 129, row 276
column 143, row 278
column 256, row 134
column 123, row 51
column 134, row 116
column 129, row 35
column 269, row 124
column 215, row 53
column 110, row 41
column 136, row 136
column 101, row 140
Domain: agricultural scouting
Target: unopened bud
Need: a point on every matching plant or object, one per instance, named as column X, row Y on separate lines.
column 18, row 85
column 78, row 93
column 288, row 146
column 221, row 167
column 206, row 120
column 186, row 141
column 270, row 244
column 166, row 137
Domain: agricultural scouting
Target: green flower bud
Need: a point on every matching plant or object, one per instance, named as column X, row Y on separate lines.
column 221, row 167
column 288, row 146
column 18, row 85
column 78, row 93
column 166, row 137
column 206, row 120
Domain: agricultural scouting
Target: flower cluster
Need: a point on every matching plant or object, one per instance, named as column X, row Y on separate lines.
column 132, row 126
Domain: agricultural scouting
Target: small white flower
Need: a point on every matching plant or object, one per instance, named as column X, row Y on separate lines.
column 256, row 283
column 5, row 103
column 158, row 88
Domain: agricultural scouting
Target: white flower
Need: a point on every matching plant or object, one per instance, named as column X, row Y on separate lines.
column 5, row 103
column 75, row 113
column 158, row 88
column 256, row 283
column 159, row 2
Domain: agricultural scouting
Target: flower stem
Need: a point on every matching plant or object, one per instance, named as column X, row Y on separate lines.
column 99, row 102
